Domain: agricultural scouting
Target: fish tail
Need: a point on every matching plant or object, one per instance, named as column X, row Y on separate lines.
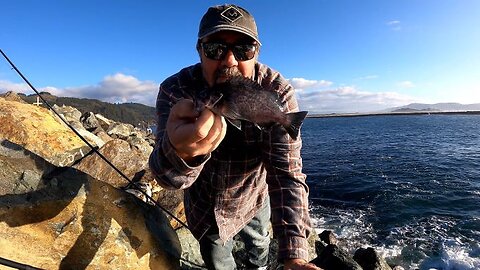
column 294, row 122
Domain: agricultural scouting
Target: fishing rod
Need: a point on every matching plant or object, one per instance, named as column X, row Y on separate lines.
column 17, row 265
column 94, row 149
column 91, row 146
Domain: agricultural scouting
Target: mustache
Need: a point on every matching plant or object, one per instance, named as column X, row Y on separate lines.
column 228, row 72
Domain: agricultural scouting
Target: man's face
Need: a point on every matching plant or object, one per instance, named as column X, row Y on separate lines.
column 217, row 71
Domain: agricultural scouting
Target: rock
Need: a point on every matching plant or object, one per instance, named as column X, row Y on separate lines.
column 140, row 144
column 334, row 258
column 102, row 135
column 68, row 220
column 190, row 250
column 103, row 121
column 69, row 113
column 129, row 160
column 20, row 170
column 37, row 130
column 12, row 96
column 91, row 138
column 369, row 259
column 89, row 121
column 328, row 237
column 120, row 130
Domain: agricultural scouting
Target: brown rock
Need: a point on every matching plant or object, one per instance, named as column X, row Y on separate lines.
column 12, row 96
column 37, row 130
column 67, row 220
column 129, row 160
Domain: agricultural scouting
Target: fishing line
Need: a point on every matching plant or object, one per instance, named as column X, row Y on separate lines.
column 90, row 145
column 94, row 149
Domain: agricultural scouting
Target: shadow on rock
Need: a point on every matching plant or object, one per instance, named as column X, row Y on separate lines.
column 76, row 212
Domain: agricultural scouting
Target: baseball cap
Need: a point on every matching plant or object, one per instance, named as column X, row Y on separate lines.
column 228, row 17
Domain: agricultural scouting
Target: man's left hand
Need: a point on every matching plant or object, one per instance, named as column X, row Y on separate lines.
column 299, row 264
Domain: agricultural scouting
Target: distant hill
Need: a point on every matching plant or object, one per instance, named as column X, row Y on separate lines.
column 438, row 107
column 131, row 113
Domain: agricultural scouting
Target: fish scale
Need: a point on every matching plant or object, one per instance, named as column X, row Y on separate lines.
column 240, row 98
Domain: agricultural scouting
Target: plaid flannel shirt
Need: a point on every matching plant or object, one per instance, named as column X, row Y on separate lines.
column 228, row 186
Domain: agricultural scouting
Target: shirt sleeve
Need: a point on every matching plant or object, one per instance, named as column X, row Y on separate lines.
column 287, row 188
column 171, row 171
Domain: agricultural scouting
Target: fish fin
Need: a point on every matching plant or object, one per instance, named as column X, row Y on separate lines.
column 235, row 122
column 295, row 121
column 216, row 101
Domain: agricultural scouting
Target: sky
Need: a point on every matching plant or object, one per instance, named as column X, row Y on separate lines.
column 340, row 55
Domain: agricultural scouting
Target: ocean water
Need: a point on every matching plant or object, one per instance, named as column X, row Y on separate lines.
column 409, row 186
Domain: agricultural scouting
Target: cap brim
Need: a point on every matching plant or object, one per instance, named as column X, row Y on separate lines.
column 219, row 28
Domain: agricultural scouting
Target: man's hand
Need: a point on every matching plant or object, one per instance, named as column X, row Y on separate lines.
column 194, row 133
column 299, row 264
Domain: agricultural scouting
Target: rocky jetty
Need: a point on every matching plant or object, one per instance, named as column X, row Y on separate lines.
column 64, row 207
column 61, row 207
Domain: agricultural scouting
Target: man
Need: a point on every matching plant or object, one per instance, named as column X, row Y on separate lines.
column 233, row 179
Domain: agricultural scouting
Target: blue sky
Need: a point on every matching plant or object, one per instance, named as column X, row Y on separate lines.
column 341, row 55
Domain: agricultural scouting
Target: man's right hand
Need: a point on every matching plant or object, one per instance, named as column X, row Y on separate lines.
column 194, row 133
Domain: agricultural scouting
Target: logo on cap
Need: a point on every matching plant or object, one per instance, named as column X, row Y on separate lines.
column 232, row 14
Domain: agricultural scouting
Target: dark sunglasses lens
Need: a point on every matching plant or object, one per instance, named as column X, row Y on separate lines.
column 244, row 52
column 215, row 51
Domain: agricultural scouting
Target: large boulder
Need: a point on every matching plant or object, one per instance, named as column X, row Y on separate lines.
column 129, row 160
column 120, row 130
column 62, row 218
column 36, row 129
column 68, row 113
column 133, row 163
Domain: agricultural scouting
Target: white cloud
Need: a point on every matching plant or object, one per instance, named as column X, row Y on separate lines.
column 394, row 25
column 393, row 22
column 314, row 95
column 113, row 88
column 6, row 86
column 348, row 99
column 116, row 88
column 406, row 84
column 368, row 77
column 303, row 84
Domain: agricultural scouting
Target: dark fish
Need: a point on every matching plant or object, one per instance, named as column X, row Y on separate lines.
column 240, row 98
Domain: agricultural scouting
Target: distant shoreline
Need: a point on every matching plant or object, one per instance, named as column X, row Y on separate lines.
column 319, row 115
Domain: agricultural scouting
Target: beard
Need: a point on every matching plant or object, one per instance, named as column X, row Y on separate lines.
column 223, row 74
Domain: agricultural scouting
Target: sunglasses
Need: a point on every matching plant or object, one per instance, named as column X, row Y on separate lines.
column 218, row 51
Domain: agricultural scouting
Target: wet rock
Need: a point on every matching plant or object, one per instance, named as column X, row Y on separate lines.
column 333, row 257
column 369, row 259
column 328, row 237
